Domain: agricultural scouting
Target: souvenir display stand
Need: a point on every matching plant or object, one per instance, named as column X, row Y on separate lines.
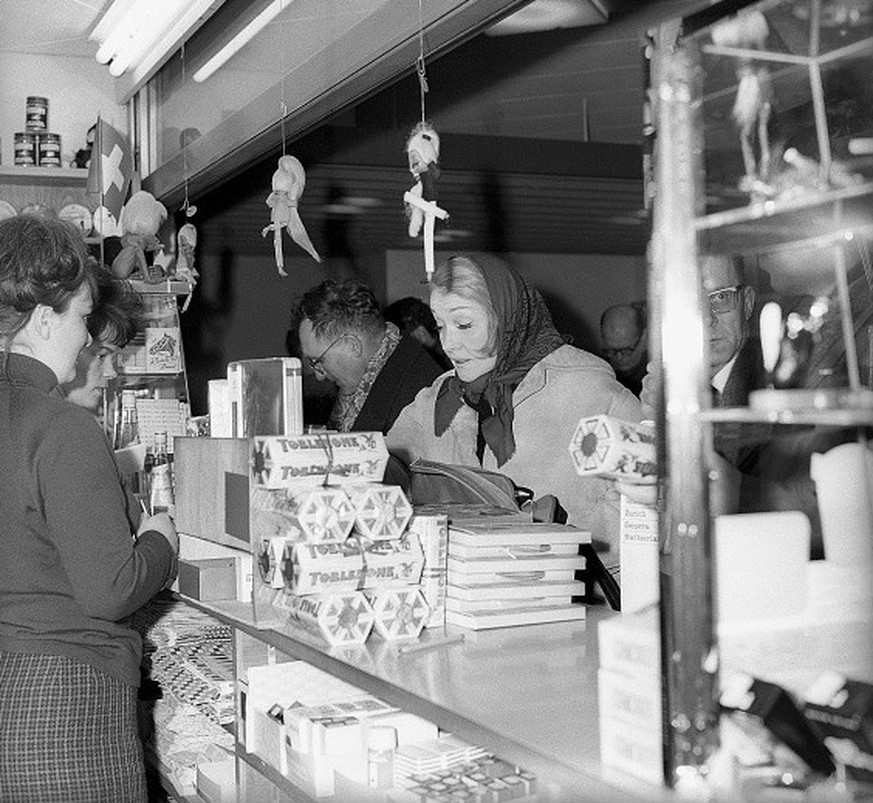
column 788, row 188
column 152, row 367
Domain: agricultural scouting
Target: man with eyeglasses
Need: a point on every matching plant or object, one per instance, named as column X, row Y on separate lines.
column 623, row 334
column 345, row 339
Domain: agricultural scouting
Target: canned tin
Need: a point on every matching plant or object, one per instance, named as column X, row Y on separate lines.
column 25, row 149
column 49, row 150
column 37, row 113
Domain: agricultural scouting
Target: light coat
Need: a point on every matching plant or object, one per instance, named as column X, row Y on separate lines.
column 563, row 387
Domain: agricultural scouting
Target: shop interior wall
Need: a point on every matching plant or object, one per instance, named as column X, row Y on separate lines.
column 77, row 88
column 241, row 308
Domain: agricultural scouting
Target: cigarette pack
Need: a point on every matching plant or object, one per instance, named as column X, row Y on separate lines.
column 381, row 511
column 639, row 555
column 604, row 446
column 341, row 617
column 353, row 565
column 631, row 643
column 400, row 613
column 323, row 458
column 271, row 556
column 266, row 396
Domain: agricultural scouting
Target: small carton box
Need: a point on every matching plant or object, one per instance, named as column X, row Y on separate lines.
column 266, row 396
column 208, row 578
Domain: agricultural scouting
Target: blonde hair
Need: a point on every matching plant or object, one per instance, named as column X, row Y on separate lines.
column 462, row 276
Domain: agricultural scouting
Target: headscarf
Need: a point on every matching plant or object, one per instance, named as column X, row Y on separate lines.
column 525, row 334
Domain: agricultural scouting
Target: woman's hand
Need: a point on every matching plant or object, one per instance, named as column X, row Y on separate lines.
column 642, row 490
column 163, row 524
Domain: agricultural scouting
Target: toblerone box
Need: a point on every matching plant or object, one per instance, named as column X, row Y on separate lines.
column 604, row 446
column 433, row 534
column 354, row 565
column 317, row 515
column 318, row 459
column 340, row 618
column 400, row 613
column 381, row 511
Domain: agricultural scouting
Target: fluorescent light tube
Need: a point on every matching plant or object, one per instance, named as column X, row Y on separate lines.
column 240, row 40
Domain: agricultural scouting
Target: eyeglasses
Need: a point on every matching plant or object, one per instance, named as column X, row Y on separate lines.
column 316, row 363
column 626, row 351
column 724, row 299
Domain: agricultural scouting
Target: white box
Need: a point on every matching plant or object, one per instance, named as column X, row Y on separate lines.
column 631, row 643
column 638, row 556
column 266, row 396
column 193, row 548
column 219, row 409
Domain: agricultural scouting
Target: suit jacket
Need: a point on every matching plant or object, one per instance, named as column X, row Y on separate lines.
column 409, row 369
column 564, row 386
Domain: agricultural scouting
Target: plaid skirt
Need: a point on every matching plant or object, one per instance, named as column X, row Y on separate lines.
column 68, row 733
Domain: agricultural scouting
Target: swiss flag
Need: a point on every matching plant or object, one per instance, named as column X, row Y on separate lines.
column 111, row 167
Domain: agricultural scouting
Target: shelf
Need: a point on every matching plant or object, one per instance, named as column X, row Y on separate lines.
column 538, row 710
column 816, row 218
column 65, row 176
column 825, row 418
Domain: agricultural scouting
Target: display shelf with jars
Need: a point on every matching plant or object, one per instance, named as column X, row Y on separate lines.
column 764, row 155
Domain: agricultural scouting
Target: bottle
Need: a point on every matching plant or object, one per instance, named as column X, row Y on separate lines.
column 381, row 742
column 161, row 485
column 128, row 430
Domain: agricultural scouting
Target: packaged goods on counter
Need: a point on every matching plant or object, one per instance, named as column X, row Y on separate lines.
column 332, row 728
column 266, row 396
column 381, row 511
column 354, row 565
column 604, row 446
column 340, row 618
column 433, row 535
column 318, row 515
column 400, row 613
column 319, row 459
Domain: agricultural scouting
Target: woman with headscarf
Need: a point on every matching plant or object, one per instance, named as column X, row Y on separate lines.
column 516, row 394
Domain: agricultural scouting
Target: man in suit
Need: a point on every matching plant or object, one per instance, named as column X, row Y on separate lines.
column 345, row 339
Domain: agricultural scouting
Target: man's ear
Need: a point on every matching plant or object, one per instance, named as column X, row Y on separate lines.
column 748, row 301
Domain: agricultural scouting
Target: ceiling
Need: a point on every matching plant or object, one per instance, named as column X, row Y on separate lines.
column 548, row 92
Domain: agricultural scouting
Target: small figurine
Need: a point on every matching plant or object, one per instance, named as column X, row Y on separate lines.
column 141, row 217
column 288, row 183
column 186, row 242
column 423, row 150
column 754, row 101
column 83, row 155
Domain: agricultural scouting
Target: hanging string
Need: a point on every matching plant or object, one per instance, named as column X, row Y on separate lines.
column 283, row 108
column 419, row 63
column 186, row 207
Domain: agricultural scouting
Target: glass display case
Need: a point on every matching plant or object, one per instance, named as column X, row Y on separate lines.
column 764, row 154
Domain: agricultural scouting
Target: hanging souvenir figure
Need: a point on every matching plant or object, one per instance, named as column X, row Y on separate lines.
column 186, row 243
column 141, row 218
column 754, row 101
column 423, row 149
column 288, row 183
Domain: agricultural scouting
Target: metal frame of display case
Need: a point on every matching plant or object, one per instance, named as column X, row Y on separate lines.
column 683, row 227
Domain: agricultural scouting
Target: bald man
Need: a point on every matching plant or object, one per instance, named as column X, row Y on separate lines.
column 625, row 347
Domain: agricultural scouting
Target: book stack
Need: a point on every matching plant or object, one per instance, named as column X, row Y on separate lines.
column 507, row 570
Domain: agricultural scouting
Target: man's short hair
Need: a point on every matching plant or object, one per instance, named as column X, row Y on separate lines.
column 641, row 316
column 409, row 313
column 335, row 307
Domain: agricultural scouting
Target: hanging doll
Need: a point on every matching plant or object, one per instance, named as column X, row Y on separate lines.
column 288, row 183
column 754, row 100
column 141, row 217
column 423, row 150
